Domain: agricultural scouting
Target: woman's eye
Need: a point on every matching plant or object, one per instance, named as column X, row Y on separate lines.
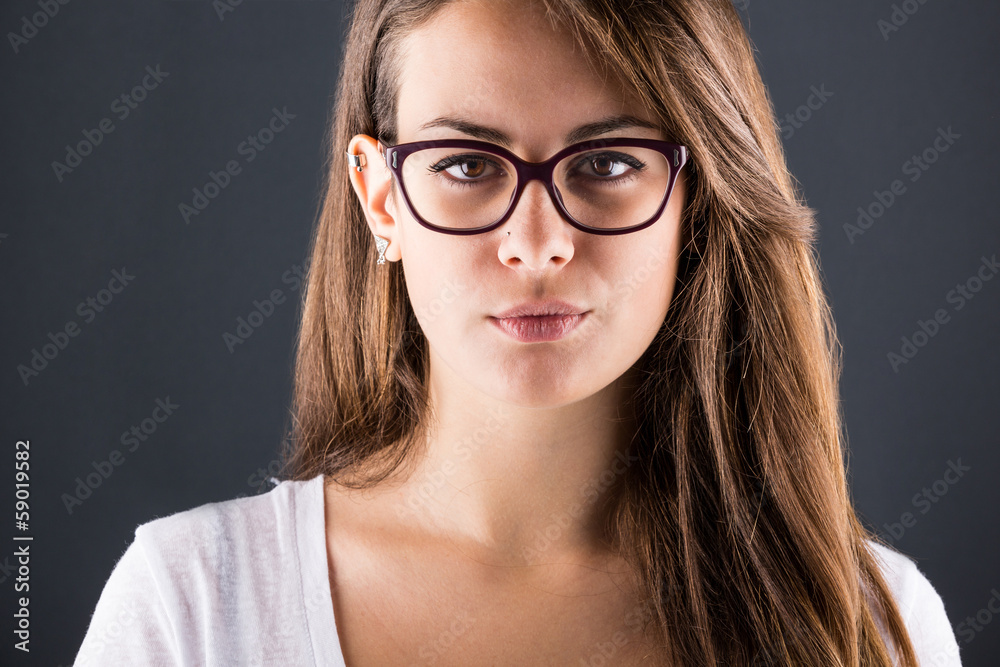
column 608, row 165
column 605, row 166
column 464, row 167
column 469, row 168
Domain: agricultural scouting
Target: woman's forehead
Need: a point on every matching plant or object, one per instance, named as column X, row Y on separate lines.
column 520, row 74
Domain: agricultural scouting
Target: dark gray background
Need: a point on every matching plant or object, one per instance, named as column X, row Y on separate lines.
column 162, row 336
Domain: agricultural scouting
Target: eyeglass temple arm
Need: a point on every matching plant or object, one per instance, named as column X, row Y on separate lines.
column 384, row 151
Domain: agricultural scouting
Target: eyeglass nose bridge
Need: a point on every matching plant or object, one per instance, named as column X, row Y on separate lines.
column 536, row 171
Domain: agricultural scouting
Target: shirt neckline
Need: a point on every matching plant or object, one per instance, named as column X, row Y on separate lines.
column 314, row 571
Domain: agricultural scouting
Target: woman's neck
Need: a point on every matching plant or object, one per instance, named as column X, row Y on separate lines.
column 520, row 485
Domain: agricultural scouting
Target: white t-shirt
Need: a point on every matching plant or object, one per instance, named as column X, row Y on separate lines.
column 246, row 582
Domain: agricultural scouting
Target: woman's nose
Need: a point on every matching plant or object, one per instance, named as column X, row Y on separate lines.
column 539, row 236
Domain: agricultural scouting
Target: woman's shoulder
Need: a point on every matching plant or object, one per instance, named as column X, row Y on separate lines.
column 921, row 606
column 910, row 586
column 261, row 519
column 224, row 582
column 237, row 550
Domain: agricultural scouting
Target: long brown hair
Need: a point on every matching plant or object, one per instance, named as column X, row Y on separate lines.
column 736, row 516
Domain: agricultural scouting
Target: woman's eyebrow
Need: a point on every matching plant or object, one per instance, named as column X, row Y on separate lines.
column 576, row 135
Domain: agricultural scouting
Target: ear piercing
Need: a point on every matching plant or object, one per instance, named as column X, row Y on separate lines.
column 382, row 244
column 356, row 161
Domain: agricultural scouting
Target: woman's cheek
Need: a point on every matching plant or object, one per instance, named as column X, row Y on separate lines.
column 442, row 300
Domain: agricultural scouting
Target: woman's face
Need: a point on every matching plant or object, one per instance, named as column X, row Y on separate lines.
column 502, row 68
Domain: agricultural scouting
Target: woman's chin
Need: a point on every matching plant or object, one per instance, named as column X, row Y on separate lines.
column 541, row 391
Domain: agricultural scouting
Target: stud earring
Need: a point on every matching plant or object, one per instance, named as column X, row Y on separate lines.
column 382, row 244
column 356, row 161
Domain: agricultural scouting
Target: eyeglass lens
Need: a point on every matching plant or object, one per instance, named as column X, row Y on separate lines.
column 607, row 188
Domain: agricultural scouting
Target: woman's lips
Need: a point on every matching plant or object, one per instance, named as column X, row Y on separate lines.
column 538, row 328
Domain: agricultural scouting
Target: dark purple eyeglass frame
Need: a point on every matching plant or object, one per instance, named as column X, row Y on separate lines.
column 676, row 155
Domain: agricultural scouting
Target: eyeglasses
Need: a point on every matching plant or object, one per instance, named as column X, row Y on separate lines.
column 603, row 186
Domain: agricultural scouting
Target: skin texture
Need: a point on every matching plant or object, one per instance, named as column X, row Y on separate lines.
column 499, row 519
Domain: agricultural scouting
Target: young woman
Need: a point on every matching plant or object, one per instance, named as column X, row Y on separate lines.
column 566, row 388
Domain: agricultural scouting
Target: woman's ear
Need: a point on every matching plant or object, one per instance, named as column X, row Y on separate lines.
column 373, row 185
